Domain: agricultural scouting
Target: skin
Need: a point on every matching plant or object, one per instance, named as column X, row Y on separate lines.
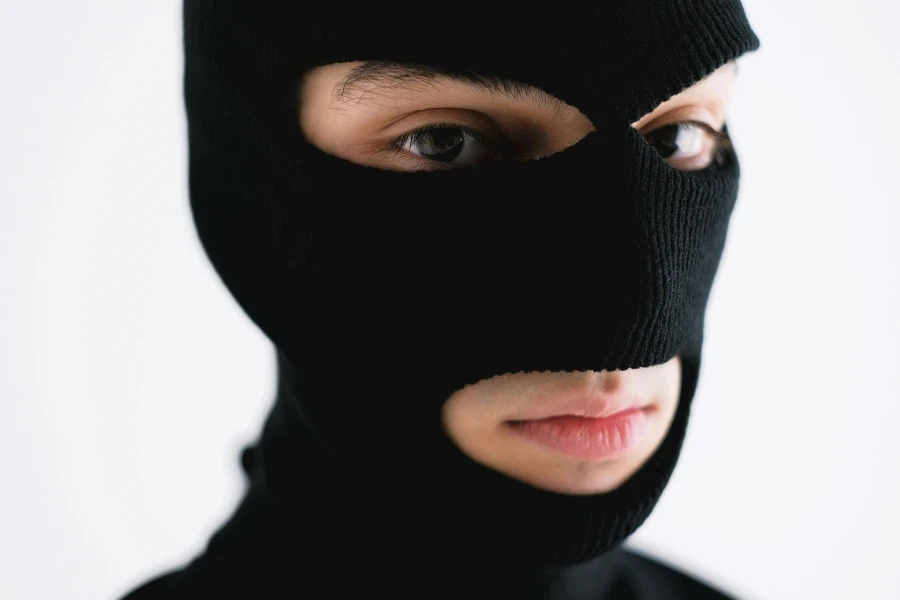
column 361, row 123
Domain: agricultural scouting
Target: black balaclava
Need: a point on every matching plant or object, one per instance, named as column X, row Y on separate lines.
column 384, row 292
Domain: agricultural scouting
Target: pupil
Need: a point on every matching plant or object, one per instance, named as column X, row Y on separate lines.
column 665, row 139
column 443, row 144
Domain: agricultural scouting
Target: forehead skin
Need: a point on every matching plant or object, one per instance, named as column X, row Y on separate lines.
column 380, row 82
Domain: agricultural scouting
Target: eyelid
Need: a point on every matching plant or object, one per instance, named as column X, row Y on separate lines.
column 448, row 117
column 716, row 133
column 490, row 140
column 687, row 113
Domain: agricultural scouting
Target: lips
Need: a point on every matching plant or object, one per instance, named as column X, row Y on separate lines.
column 588, row 438
column 595, row 427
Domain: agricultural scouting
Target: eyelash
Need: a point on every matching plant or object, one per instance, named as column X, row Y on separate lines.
column 722, row 148
column 722, row 141
column 417, row 134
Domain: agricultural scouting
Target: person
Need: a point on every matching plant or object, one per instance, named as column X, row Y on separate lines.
column 482, row 249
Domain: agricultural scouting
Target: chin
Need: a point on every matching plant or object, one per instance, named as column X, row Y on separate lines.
column 583, row 479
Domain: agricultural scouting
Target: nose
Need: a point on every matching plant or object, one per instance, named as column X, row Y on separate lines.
column 607, row 382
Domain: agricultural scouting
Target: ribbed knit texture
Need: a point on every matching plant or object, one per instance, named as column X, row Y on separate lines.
column 357, row 275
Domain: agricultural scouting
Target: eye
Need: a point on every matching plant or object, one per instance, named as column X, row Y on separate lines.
column 690, row 145
column 447, row 146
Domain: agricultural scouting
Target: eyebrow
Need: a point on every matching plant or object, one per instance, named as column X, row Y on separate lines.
column 363, row 80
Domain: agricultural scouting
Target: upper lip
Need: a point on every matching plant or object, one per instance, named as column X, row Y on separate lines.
column 590, row 406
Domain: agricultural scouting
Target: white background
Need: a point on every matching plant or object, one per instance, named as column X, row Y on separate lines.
column 118, row 343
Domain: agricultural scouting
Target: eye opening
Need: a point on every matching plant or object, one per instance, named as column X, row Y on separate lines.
column 453, row 139
column 492, row 147
column 663, row 137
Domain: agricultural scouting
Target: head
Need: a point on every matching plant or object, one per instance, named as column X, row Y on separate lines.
column 582, row 432
column 484, row 257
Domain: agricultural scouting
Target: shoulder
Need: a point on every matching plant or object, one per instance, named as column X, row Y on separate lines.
column 653, row 578
column 163, row 587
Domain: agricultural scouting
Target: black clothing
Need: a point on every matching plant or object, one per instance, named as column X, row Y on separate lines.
column 248, row 558
column 363, row 279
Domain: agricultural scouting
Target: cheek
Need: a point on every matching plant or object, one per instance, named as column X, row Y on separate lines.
column 330, row 133
column 465, row 417
column 670, row 389
column 667, row 392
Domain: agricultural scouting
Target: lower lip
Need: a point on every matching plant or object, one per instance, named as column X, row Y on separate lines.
column 587, row 438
